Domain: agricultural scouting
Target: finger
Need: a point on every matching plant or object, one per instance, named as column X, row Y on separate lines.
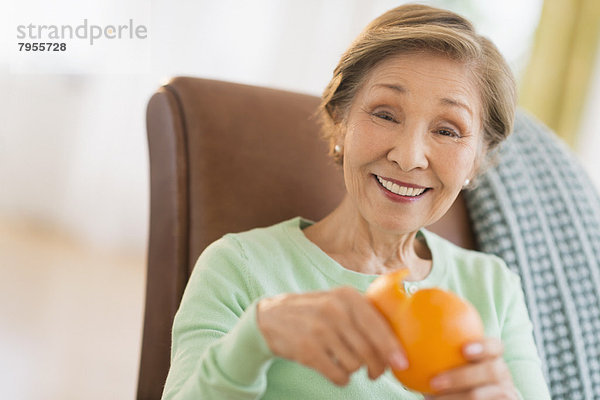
column 472, row 375
column 340, row 351
column 484, row 349
column 333, row 371
column 355, row 335
column 323, row 335
column 334, row 320
column 378, row 333
column 314, row 355
column 360, row 346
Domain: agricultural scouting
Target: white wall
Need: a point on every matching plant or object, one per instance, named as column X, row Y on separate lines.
column 72, row 145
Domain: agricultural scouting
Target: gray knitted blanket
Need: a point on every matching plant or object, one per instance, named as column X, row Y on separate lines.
column 539, row 212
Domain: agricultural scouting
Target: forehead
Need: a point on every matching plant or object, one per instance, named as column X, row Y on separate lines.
column 428, row 75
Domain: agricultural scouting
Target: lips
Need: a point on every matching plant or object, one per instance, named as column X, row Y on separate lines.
column 402, row 188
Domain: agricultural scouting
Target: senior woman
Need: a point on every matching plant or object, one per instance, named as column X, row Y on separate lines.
column 414, row 107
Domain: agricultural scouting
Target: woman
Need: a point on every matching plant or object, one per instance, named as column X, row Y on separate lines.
column 415, row 105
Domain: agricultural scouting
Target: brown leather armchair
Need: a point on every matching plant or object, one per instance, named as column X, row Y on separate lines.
column 226, row 157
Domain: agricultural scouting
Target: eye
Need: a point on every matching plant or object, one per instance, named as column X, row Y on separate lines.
column 448, row 132
column 384, row 115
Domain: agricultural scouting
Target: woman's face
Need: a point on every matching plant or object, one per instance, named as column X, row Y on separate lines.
column 412, row 136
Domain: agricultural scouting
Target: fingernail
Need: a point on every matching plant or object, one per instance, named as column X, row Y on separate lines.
column 398, row 361
column 440, row 382
column 473, row 349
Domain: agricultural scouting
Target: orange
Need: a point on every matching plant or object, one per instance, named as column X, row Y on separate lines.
column 432, row 326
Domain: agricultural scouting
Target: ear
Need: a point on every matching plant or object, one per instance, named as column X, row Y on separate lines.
column 336, row 144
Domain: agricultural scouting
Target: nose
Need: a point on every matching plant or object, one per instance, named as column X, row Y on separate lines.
column 409, row 150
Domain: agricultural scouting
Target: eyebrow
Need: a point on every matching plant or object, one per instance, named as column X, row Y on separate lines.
column 444, row 100
column 398, row 88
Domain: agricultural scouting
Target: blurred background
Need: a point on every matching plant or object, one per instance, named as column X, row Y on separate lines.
column 73, row 158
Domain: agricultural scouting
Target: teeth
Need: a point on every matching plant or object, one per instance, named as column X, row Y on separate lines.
column 401, row 190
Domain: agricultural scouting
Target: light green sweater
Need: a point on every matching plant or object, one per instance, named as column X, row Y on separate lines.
column 219, row 353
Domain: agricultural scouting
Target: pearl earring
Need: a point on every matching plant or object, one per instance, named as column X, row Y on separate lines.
column 467, row 181
column 337, row 149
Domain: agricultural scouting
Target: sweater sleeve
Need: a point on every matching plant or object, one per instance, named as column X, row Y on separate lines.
column 217, row 350
column 520, row 352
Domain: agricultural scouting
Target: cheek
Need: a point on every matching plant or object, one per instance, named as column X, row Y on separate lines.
column 359, row 151
column 457, row 164
column 364, row 141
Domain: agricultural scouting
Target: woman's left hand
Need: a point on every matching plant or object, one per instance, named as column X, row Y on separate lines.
column 486, row 376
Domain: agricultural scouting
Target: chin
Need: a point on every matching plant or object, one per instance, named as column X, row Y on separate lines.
column 397, row 225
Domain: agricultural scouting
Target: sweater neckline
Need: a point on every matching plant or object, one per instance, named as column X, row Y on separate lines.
column 344, row 276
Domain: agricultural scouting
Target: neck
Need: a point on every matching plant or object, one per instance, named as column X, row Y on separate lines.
column 349, row 239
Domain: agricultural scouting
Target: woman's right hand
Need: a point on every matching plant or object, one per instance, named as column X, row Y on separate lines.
column 334, row 332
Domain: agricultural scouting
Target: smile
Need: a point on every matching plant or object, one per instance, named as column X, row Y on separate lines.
column 400, row 190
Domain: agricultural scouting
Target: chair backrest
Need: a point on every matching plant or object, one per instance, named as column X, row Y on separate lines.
column 226, row 157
